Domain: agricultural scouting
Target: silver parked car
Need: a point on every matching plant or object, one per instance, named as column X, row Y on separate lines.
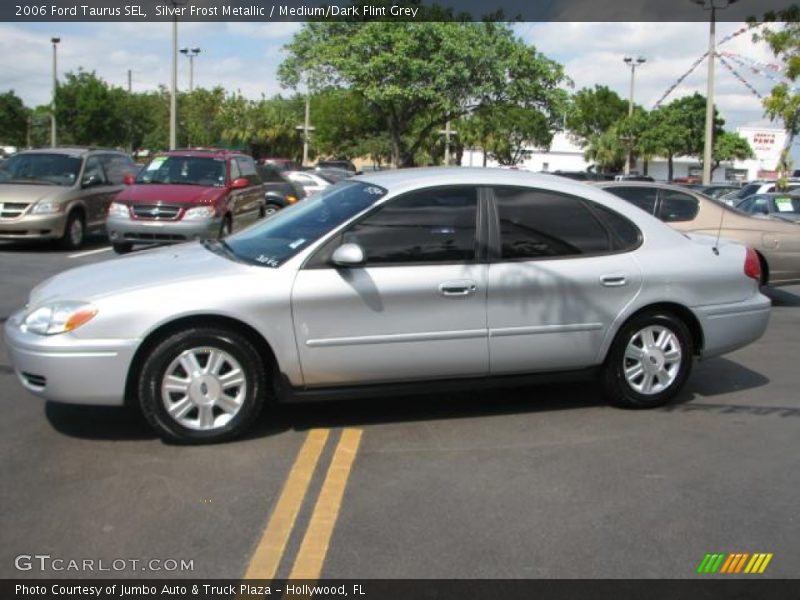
column 383, row 281
column 59, row 193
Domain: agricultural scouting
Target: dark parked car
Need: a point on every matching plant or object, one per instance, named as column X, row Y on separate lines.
column 279, row 191
column 334, row 175
column 281, row 164
column 714, row 191
column 780, row 206
column 337, row 164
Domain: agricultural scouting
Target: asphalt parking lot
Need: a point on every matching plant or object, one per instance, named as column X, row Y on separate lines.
column 523, row 483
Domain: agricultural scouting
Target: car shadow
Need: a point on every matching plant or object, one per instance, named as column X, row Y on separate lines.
column 92, row 242
column 715, row 377
column 781, row 297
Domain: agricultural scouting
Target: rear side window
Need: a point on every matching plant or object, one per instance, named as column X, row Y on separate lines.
column 624, row 234
column 677, row 206
column 435, row 225
column 541, row 223
column 643, row 197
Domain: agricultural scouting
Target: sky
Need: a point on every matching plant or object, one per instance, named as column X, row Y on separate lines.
column 244, row 57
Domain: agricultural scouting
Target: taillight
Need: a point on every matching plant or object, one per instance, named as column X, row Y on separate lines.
column 752, row 266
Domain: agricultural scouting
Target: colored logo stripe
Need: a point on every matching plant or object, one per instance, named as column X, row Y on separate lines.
column 734, row 563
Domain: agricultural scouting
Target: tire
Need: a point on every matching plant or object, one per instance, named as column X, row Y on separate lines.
column 661, row 346
column 226, row 228
column 122, row 247
column 199, row 408
column 270, row 208
column 74, row 232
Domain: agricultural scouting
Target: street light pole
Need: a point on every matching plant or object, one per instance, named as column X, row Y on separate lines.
column 191, row 53
column 632, row 63
column 306, row 128
column 708, row 142
column 54, row 41
column 173, row 96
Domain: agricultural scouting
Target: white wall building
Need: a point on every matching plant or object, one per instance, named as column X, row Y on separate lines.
column 565, row 154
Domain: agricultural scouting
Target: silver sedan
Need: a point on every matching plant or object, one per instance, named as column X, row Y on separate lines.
column 392, row 281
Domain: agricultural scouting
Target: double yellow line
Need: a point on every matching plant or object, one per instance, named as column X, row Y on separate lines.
column 311, row 556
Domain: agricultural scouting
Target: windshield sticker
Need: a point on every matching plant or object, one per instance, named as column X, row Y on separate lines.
column 297, row 243
column 267, row 260
column 156, row 163
column 784, row 204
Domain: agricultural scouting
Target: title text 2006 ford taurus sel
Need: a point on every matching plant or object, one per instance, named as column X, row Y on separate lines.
column 390, row 279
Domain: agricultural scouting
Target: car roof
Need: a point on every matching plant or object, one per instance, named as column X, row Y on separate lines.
column 76, row 151
column 203, row 152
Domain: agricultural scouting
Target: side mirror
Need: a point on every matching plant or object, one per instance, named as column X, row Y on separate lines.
column 129, row 179
column 90, row 180
column 348, row 255
column 240, row 183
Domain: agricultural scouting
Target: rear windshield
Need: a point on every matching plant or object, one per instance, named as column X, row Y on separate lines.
column 41, row 168
column 184, row 170
column 273, row 241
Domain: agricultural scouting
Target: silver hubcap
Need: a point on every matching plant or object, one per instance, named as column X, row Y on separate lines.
column 652, row 360
column 269, row 211
column 203, row 388
column 76, row 232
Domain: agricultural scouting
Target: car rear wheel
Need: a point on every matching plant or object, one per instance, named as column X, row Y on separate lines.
column 122, row 247
column 202, row 385
column 649, row 361
column 74, row 231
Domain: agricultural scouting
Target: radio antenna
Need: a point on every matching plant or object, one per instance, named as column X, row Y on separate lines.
column 722, row 209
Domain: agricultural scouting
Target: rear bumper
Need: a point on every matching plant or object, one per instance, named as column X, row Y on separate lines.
column 33, row 227
column 159, row 232
column 62, row 368
column 727, row 327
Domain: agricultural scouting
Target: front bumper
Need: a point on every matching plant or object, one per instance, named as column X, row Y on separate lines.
column 33, row 227
column 64, row 368
column 122, row 230
column 727, row 327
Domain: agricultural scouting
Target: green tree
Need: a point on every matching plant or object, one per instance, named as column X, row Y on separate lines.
column 198, row 117
column 13, row 119
column 606, row 150
column 593, row 111
column 417, row 76
column 346, row 127
column 89, row 111
column 513, row 130
column 730, row 146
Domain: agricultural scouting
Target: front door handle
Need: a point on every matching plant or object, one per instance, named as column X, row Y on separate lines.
column 614, row 280
column 459, row 287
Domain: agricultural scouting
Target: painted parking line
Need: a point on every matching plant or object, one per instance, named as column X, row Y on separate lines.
column 267, row 556
column 90, row 252
column 311, row 556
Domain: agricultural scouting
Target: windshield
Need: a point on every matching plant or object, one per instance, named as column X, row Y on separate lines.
column 51, row 169
column 274, row 241
column 184, row 170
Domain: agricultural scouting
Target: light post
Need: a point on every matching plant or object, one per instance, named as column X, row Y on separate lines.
column 632, row 63
column 191, row 53
column 447, row 133
column 708, row 142
column 306, row 128
column 173, row 90
column 55, row 41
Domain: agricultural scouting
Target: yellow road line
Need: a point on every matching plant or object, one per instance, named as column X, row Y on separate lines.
column 268, row 553
column 309, row 560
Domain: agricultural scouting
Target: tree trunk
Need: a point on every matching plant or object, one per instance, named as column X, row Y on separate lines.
column 669, row 168
column 645, row 166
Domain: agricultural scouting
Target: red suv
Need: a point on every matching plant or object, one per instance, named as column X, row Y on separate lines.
column 186, row 195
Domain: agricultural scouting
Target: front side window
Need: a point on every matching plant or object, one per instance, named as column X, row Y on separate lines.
column 434, row 225
column 273, row 241
column 540, row 223
column 41, row 168
column 184, row 170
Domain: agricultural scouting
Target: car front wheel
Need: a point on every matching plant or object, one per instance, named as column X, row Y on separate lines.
column 202, row 385
column 649, row 361
column 74, row 231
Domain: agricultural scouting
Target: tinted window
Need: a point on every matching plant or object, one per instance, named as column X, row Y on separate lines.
column 624, row 234
column 94, row 170
column 677, row 206
column 117, row 166
column 643, row 197
column 434, row 225
column 270, row 174
column 538, row 223
column 749, row 189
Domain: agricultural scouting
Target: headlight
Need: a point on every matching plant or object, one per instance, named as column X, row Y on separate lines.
column 46, row 207
column 58, row 317
column 118, row 210
column 200, row 212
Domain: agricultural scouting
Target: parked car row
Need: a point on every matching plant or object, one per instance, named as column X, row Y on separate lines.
column 64, row 193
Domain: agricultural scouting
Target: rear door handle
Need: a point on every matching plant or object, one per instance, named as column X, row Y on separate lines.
column 614, row 280
column 459, row 287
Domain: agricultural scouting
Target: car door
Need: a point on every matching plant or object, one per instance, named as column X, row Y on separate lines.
column 250, row 201
column 415, row 310
column 97, row 191
column 561, row 273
